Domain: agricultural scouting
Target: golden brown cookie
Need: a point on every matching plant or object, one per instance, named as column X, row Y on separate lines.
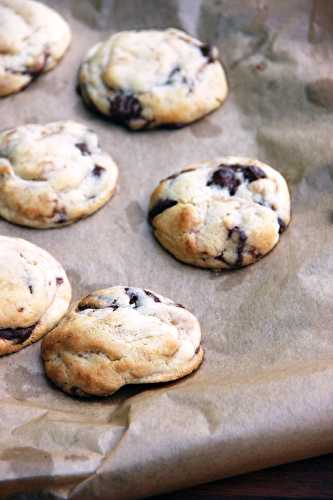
column 35, row 293
column 151, row 78
column 53, row 175
column 118, row 336
column 33, row 38
column 222, row 214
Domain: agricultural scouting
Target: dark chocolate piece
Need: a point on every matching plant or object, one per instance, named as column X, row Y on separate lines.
column 82, row 146
column 253, row 173
column 239, row 237
column 208, row 51
column 282, row 224
column 134, row 298
column 172, row 74
column 241, row 240
column 31, row 290
column 33, row 71
column 152, row 295
column 98, row 170
column 225, row 176
column 59, row 281
column 159, row 207
column 17, row 335
column 61, row 214
column 124, row 107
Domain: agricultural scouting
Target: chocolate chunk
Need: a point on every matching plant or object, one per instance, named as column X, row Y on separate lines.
column 241, row 240
column 159, row 207
column 62, row 215
column 97, row 302
column 239, row 237
column 20, row 309
column 59, row 281
column 152, row 295
column 180, row 305
column 209, row 52
column 134, row 298
column 225, row 176
column 17, row 335
column 124, row 107
column 282, row 225
column 36, row 70
column 176, row 70
column 31, row 290
column 98, row 170
column 82, row 146
column 62, row 219
column 253, row 173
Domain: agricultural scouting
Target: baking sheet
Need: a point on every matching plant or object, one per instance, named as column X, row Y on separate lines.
column 264, row 394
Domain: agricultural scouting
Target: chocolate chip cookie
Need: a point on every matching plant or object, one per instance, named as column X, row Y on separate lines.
column 221, row 214
column 52, row 175
column 118, row 336
column 149, row 78
column 33, row 38
column 35, row 293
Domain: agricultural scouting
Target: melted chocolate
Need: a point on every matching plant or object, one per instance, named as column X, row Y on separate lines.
column 225, row 176
column 208, row 52
column 160, row 207
column 98, row 171
column 124, row 107
column 82, row 146
column 133, row 297
column 17, row 335
column 239, row 235
column 152, row 295
column 282, row 225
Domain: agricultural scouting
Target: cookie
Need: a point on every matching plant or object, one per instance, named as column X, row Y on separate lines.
column 35, row 293
column 221, row 214
column 52, row 175
column 33, row 38
column 151, row 78
column 120, row 336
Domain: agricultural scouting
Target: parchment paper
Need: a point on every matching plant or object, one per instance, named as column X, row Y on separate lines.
column 264, row 394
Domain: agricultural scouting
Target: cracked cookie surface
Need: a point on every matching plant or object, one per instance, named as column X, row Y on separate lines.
column 151, row 78
column 35, row 293
column 52, row 175
column 33, row 38
column 118, row 336
column 221, row 214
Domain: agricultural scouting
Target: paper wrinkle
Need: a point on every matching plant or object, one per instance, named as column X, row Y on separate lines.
column 263, row 395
